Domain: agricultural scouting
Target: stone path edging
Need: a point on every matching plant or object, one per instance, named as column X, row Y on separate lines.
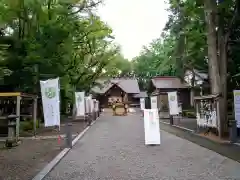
column 59, row 157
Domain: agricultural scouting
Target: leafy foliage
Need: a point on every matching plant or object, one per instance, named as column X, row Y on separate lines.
column 183, row 43
column 43, row 39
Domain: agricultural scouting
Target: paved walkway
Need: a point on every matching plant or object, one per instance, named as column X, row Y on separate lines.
column 113, row 149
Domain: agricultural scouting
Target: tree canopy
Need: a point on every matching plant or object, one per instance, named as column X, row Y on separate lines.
column 201, row 35
column 183, row 43
column 43, row 39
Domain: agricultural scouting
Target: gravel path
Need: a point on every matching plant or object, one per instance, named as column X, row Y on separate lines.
column 26, row 160
column 113, row 149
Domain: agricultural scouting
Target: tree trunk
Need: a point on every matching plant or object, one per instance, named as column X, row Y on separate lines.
column 223, row 38
column 222, row 46
column 74, row 108
column 192, row 87
column 210, row 18
column 210, row 8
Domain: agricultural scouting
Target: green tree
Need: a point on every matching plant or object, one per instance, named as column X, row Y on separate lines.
column 202, row 35
column 47, row 39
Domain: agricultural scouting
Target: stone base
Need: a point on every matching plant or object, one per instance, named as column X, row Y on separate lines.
column 11, row 143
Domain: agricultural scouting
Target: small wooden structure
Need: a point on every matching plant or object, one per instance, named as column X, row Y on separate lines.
column 207, row 112
column 116, row 89
column 14, row 100
column 163, row 104
column 164, row 84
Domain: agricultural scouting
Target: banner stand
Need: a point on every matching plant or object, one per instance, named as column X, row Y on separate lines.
column 151, row 127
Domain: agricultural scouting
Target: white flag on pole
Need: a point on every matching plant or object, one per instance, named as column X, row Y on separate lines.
column 51, row 102
column 88, row 100
column 80, row 103
column 91, row 104
column 97, row 105
column 173, row 103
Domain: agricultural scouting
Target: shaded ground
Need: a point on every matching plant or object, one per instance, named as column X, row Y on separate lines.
column 188, row 123
column 26, row 160
column 229, row 150
column 113, row 149
column 191, row 124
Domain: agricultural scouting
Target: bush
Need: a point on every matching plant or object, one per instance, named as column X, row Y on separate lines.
column 28, row 125
column 189, row 113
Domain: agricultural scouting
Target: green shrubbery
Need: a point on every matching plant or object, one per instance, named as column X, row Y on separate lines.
column 27, row 125
column 190, row 113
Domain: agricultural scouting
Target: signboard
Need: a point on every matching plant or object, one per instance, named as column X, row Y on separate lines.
column 154, row 102
column 173, row 103
column 207, row 118
column 80, row 103
column 236, row 94
column 213, row 119
column 142, row 103
column 51, row 102
column 151, row 127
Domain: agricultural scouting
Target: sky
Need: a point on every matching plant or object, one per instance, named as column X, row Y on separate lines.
column 135, row 23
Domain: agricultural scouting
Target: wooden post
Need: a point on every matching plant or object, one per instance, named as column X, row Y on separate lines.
column 74, row 108
column 35, row 115
column 171, row 119
column 192, row 96
column 18, row 107
column 218, row 119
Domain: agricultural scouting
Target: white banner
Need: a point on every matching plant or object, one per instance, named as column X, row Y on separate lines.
column 87, row 104
column 142, row 103
column 236, row 94
column 154, row 102
column 151, row 126
column 173, row 103
column 80, row 103
column 94, row 104
column 50, row 101
column 97, row 106
column 91, row 104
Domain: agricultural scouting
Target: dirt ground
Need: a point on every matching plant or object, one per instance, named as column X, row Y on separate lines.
column 26, row 160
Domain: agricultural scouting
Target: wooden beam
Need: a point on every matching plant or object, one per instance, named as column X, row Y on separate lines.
column 10, row 94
